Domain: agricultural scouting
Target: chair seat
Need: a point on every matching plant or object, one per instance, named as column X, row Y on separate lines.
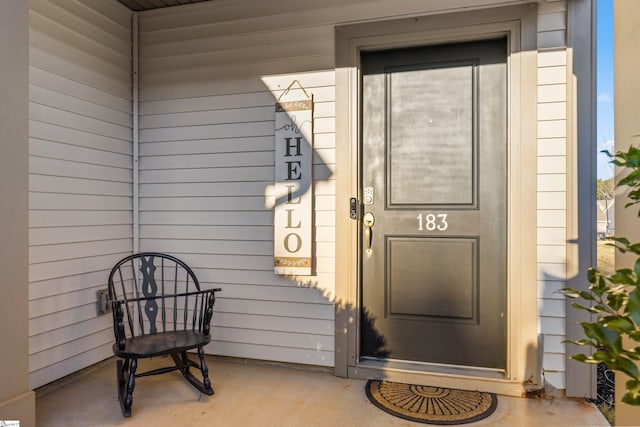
column 161, row 343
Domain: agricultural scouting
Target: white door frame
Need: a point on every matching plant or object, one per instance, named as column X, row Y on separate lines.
column 518, row 24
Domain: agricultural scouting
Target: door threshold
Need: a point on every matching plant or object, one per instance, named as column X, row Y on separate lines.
column 433, row 368
column 428, row 374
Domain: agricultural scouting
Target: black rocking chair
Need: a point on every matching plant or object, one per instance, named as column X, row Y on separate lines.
column 158, row 309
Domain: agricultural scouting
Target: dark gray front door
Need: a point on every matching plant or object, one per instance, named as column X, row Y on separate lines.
column 434, row 150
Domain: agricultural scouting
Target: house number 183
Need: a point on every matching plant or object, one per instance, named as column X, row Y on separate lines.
column 432, row 222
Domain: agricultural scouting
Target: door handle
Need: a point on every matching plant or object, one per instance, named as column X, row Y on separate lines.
column 368, row 220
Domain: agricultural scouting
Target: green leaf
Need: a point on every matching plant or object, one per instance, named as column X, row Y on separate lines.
column 632, row 396
column 618, row 324
column 616, row 300
column 622, row 240
column 584, row 359
column 571, row 293
column 601, row 356
column 581, row 342
column 582, row 307
column 633, row 306
column 580, row 358
column 628, row 367
column 586, row 295
column 623, row 276
column 604, row 336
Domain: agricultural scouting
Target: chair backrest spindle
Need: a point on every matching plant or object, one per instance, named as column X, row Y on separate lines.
column 149, row 282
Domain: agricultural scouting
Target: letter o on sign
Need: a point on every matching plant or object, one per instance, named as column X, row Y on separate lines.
column 287, row 242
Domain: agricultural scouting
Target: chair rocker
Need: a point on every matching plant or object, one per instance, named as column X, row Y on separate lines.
column 158, row 309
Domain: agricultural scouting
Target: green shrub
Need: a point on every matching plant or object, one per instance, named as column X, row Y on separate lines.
column 615, row 298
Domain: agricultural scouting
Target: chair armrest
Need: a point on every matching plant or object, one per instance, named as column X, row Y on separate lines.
column 182, row 294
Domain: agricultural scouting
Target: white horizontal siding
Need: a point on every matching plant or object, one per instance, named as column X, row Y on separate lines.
column 80, row 175
column 207, row 167
column 552, row 24
column 552, row 186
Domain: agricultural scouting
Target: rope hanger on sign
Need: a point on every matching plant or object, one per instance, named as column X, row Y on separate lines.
column 289, row 89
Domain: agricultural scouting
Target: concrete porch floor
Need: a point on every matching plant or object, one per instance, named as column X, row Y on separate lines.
column 258, row 394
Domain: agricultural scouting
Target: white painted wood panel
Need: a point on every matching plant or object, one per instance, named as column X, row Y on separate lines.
column 552, row 185
column 552, row 254
column 552, row 182
column 554, row 362
column 44, row 306
column 97, row 97
column 275, row 308
column 552, row 200
column 552, row 165
column 48, row 201
column 552, row 218
column 76, row 121
column 68, row 366
column 59, row 353
column 71, row 267
column 46, row 59
column 81, row 143
column 555, row 344
column 179, row 94
column 552, row 236
column 52, row 98
column 107, row 47
column 273, row 353
column 552, row 129
column 552, row 147
column 276, row 339
column 50, row 322
column 553, row 325
column 47, row 288
column 552, row 93
column 552, row 39
column 552, row 75
column 550, row 271
column 46, row 42
column 70, row 169
column 550, row 289
column 112, row 17
column 80, row 177
column 551, row 58
column 551, row 20
column 279, row 323
column 59, row 252
column 552, row 111
column 55, row 184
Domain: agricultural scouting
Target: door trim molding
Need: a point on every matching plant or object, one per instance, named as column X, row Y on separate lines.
column 518, row 23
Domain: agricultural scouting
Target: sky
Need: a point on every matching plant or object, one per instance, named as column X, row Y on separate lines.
column 604, row 65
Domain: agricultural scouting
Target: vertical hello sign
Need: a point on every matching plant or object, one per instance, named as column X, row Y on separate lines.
column 293, row 186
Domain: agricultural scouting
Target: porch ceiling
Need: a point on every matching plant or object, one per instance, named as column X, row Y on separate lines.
column 140, row 5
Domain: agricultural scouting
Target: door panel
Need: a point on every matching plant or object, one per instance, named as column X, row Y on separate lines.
column 411, row 259
column 434, row 179
column 430, row 104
